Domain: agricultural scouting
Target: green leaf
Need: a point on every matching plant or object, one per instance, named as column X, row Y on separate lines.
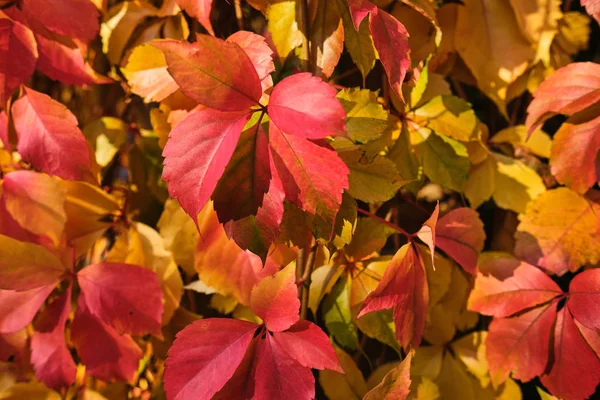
column 379, row 325
column 338, row 316
column 370, row 236
column 371, row 181
column 366, row 119
column 406, row 160
column 445, row 161
column 345, row 222
column 359, row 44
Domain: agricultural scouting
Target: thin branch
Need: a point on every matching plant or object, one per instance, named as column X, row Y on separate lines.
column 385, row 222
column 305, row 280
column 237, row 5
column 306, row 58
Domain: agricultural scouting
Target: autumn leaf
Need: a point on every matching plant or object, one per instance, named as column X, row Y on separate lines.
column 199, row 9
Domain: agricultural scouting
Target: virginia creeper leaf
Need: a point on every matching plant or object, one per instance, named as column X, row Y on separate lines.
column 460, row 234
column 199, row 9
column 75, row 18
column 50, row 356
column 17, row 309
column 26, row 266
column 47, row 131
column 305, row 106
column 427, row 233
column 282, row 17
column 359, row 43
column 567, row 91
column 18, row 56
column 558, row 232
column 327, row 38
column 592, row 7
column 205, row 356
column 395, row 384
column 259, row 52
column 197, row 154
column 275, row 299
column 215, row 73
column 584, row 298
column 106, row 354
column 113, row 295
column 313, row 177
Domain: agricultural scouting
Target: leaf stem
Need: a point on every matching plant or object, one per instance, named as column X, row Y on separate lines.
column 385, row 222
column 305, row 279
column 237, row 5
column 305, row 29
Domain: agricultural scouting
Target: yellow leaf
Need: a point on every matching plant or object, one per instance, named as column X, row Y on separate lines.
column 426, row 389
column 427, row 361
column 559, row 232
column 516, row 184
column 538, row 143
column 321, row 281
column 366, row 119
column 449, row 116
column 359, row 44
column 482, row 182
column 454, row 380
column 37, row 202
column 348, row 386
column 492, row 46
column 180, row 234
column 29, row 391
column 107, row 135
column 379, row 325
column 159, row 118
column 223, row 304
column 419, row 19
column 146, row 73
column 119, row 24
column 470, row 349
column 282, row 16
column 395, row 384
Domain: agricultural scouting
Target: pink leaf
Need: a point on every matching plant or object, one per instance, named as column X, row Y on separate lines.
column 47, row 131
column 50, row 356
column 584, row 298
column 391, row 41
column 199, row 9
column 305, row 106
column 526, row 288
column 259, row 52
column 17, row 309
column 575, row 370
column 18, row 55
column 567, row 91
column 275, row 299
column 75, row 18
column 460, row 234
column 124, row 296
column 215, row 73
column 313, row 177
column 306, row 343
column 592, row 7
column 205, row 356
column 4, row 139
column 197, row 152
column 279, row 376
column 106, row 354
column 59, row 56
column 520, row 344
column 359, row 9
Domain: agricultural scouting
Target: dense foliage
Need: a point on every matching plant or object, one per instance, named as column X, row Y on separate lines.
column 202, row 199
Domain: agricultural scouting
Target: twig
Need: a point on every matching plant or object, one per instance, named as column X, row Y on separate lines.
column 237, row 5
column 306, row 58
column 385, row 222
column 305, row 279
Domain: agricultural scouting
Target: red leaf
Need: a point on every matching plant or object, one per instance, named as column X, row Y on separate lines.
column 197, row 152
column 527, row 287
column 275, row 299
column 18, row 55
column 259, row 52
column 106, row 354
column 391, row 41
column 14, row 346
column 427, row 232
column 306, row 343
column 359, row 9
column 404, row 287
column 584, row 298
column 305, row 106
column 199, row 9
column 567, row 91
column 575, row 372
column 574, row 149
column 4, row 139
column 124, row 296
column 205, row 356
column 50, row 356
column 75, row 18
column 17, row 309
column 59, row 56
column 520, row 344
column 279, row 376
column 47, row 131
column 313, row 177
column 592, row 7
column 460, row 234
column 242, row 186
column 215, row 73
column 395, row 385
